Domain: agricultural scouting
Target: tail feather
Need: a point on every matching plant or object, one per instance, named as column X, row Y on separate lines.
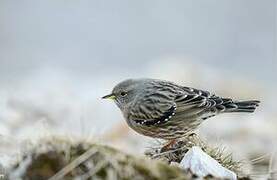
column 242, row 106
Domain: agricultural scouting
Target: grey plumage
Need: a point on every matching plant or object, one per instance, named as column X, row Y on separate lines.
column 163, row 109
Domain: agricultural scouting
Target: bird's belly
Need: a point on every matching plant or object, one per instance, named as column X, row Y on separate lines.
column 173, row 129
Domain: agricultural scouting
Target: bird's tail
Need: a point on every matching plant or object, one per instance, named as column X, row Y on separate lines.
column 242, row 106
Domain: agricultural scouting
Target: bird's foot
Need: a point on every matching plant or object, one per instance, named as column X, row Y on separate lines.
column 168, row 145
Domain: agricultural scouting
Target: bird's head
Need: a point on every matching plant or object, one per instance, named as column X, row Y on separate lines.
column 125, row 92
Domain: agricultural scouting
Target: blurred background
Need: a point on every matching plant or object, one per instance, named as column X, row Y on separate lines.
column 58, row 57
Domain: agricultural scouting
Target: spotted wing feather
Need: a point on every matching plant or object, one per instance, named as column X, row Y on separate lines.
column 205, row 104
column 154, row 108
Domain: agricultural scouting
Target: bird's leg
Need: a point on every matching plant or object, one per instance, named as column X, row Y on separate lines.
column 177, row 143
column 168, row 145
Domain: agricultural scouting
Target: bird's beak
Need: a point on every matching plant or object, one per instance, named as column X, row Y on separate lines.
column 109, row 96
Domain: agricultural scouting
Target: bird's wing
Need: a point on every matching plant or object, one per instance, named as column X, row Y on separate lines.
column 152, row 109
column 194, row 101
column 174, row 101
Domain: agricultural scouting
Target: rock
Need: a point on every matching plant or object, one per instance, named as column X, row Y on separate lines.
column 61, row 158
column 201, row 164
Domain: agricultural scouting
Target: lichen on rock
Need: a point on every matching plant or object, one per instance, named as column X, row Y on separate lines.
column 61, row 158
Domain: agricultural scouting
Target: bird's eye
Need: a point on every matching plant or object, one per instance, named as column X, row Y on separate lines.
column 123, row 94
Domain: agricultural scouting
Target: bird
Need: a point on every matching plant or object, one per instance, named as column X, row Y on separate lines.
column 165, row 110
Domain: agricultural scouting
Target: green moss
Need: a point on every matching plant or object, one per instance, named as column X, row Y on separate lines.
column 179, row 149
column 51, row 155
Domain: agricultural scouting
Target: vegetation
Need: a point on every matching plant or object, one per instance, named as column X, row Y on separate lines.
column 58, row 158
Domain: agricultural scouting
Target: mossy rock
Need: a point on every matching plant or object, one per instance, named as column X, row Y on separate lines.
column 182, row 146
column 62, row 159
column 58, row 158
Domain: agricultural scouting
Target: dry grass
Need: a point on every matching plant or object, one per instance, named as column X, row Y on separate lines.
column 63, row 159
column 179, row 149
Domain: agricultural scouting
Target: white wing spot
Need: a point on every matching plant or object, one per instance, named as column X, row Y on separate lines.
column 141, row 122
